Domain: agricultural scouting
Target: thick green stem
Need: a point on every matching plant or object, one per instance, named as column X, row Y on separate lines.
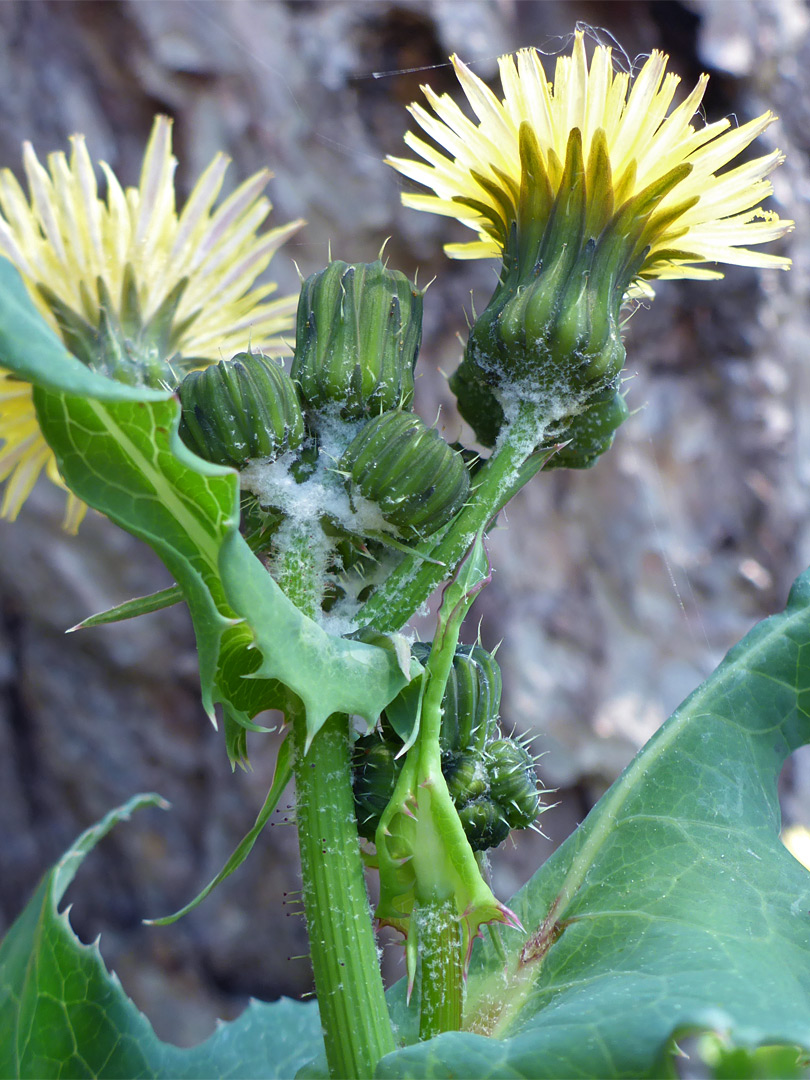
column 351, row 999
column 354, row 1014
column 440, row 949
column 513, row 464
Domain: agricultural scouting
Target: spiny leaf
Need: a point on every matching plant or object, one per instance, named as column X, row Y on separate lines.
column 62, row 1014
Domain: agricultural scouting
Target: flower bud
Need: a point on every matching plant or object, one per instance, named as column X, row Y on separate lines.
column 591, row 433
column 513, row 782
column 409, row 471
column 358, row 333
column 374, row 777
column 472, row 699
column 465, row 775
column 484, row 824
column 240, row 409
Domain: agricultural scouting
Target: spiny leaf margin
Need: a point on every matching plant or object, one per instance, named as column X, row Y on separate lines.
column 63, row 1014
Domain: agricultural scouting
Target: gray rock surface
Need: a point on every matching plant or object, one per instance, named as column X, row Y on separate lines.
column 617, row 590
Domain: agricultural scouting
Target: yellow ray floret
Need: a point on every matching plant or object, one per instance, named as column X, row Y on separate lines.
column 133, row 254
column 478, row 175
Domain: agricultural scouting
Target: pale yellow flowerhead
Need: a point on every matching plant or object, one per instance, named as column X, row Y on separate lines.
column 501, row 171
column 135, row 289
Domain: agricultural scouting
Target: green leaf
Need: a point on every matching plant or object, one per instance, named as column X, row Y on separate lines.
column 329, row 674
column 117, row 448
column 62, row 1014
column 674, row 908
column 283, row 774
column 131, row 609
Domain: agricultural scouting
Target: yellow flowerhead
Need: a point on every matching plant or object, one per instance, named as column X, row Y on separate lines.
column 494, row 173
column 135, row 289
column 588, row 187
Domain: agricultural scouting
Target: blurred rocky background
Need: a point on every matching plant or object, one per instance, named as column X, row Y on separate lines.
column 617, row 590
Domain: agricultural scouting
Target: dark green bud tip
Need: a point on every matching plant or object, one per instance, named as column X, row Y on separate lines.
column 409, row 471
column 591, row 433
column 358, row 331
column 513, row 782
column 240, row 409
column 374, row 777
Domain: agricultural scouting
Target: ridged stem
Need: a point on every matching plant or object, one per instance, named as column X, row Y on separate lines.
column 440, row 949
column 354, row 1015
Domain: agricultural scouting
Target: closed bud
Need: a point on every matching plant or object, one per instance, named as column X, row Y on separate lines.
column 513, row 782
column 358, row 333
column 374, row 777
column 466, row 776
column 484, row 824
column 591, row 433
column 407, row 469
column 472, row 699
column 240, row 409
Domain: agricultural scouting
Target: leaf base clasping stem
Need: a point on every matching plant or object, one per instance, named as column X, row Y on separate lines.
column 354, row 1014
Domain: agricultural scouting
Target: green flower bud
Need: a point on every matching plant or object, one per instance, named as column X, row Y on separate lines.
column 484, row 824
column 358, row 333
column 466, row 776
column 409, row 471
column 591, row 433
column 374, row 777
column 472, row 699
column 240, row 409
column 513, row 782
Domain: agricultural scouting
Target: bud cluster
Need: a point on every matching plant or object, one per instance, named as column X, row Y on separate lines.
column 336, row 440
column 491, row 779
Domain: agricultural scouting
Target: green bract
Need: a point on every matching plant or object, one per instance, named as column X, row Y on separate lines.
column 409, row 471
column 590, row 433
column 358, row 333
column 477, row 402
column 240, row 409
